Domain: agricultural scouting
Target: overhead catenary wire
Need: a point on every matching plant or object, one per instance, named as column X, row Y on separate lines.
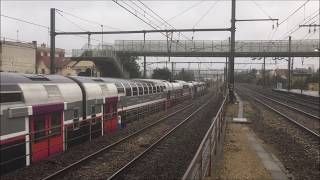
column 294, row 12
column 265, row 12
column 165, row 22
column 142, row 19
column 25, row 21
column 185, row 10
column 39, row 25
column 162, row 20
column 71, row 22
column 206, row 13
column 296, row 27
column 87, row 20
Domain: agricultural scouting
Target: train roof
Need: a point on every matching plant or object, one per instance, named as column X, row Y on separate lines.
column 15, row 78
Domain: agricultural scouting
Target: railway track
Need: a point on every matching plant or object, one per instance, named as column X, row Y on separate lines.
column 314, row 102
column 291, row 100
column 169, row 157
column 304, row 120
column 108, row 160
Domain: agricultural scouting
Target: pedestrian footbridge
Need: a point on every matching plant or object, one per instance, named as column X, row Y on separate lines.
column 204, row 48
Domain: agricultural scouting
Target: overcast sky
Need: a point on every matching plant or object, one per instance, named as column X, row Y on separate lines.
column 204, row 14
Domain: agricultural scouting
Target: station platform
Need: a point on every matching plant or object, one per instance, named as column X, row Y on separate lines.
column 298, row 91
column 245, row 156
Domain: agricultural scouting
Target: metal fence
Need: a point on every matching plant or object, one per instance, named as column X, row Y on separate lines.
column 201, row 164
column 207, row 46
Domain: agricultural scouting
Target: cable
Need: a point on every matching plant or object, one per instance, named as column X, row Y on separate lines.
column 184, row 11
column 25, row 21
column 162, row 21
column 206, row 13
column 297, row 27
column 157, row 15
column 39, row 25
column 261, row 9
column 71, row 22
column 150, row 24
column 87, row 20
column 288, row 17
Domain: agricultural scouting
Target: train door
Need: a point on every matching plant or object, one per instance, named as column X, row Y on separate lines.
column 110, row 114
column 107, row 117
column 46, row 135
column 114, row 111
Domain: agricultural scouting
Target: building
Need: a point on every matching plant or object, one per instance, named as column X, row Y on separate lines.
column 313, row 86
column 18, row 57
column 43, row 59
column 28, row 58
column 75, row 68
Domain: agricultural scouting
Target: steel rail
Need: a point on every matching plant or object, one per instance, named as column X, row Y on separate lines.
column 296, row 96
column 156, row 143
column 300, row 102
column 288, row 118
column 106, row 148
column 288, row 106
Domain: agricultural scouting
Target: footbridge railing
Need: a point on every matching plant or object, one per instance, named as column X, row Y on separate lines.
column 217, row 48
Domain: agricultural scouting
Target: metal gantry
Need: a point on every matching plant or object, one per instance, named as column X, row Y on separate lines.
column 232, row 48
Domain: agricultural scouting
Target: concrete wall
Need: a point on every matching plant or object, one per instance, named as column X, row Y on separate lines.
column 17, row 57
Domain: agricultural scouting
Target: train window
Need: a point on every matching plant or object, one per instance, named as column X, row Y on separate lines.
column 52, row 90
column 39, row 128
column 134, row 89
column 150, row 88
column 145, row 88
column 119, row 88
column 140, row 88
column 56, row 124
column 128, row 89
column 154, row 88
column 6, row 97
column 93, row 110
column 76, row 124
column 75, row 113
column 158, row 89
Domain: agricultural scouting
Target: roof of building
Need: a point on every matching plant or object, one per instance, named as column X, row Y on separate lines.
column 20, row 44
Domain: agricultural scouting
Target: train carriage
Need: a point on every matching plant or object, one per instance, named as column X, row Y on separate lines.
column 100, row 100
column 33, row 109
column 42, row 115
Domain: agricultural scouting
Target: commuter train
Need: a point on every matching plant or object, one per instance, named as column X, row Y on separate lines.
column 42, row 115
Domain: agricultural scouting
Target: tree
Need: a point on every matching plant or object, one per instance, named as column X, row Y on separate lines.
column 163, row 73
column 246, row 77
column 300, row 83
column 131, row 66
column 185, row 75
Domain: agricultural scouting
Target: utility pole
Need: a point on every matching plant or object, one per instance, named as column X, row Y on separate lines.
column 52, row 40
column 264, row 71
column 144, row 57
column 89, row 41
column 289, row 65
column 232, row 51
column 172, row 70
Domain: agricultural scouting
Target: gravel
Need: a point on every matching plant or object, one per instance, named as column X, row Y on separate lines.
column 171, row 157
column 296, row 149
